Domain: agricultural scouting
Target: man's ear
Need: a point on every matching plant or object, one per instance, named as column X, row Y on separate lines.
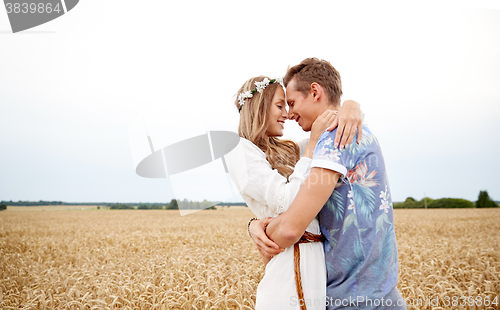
column 316, row 91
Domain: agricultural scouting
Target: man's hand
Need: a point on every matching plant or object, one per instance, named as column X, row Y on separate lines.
column 266, row 246
column 348, row 119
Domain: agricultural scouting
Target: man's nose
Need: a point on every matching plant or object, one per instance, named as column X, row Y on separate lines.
column 291, row 115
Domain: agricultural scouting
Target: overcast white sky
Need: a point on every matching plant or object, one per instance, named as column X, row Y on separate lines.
column 427, row 76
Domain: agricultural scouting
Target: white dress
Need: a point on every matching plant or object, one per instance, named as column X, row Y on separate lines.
column 268, row 194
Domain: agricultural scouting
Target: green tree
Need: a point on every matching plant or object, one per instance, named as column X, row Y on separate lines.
column 173, row 205
column 205, row 204
column 449, row 203
column 484, row 201
column 120, row 206
column 3, row 207
column 409, row 203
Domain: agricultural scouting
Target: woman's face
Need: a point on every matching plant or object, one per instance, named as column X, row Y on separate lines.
column 277, row 115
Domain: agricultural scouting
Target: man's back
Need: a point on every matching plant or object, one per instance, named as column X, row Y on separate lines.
column 357, row 221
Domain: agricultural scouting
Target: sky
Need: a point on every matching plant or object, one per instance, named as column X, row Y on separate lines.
column 74, row 91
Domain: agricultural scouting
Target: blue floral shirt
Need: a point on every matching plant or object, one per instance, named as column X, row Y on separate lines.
column 357, row 221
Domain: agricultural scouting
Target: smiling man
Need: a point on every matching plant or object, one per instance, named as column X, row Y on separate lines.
column 349, row 192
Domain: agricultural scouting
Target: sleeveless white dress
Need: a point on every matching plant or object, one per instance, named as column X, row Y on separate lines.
column 267, row 193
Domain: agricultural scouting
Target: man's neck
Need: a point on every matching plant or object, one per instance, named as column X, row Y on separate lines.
column 328, row 106
column 334, row 106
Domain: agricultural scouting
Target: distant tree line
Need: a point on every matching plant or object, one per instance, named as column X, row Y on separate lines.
column 483, row 201
column 151, row 206
column 172, row 205
column 121, row 206
column 35, row 203
column 228, row 204
column 22, row 203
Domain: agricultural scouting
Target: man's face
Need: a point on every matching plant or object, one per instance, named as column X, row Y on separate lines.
column 300, row 106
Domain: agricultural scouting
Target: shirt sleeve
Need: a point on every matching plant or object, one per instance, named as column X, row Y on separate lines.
column 256, row 179
column 327, row 156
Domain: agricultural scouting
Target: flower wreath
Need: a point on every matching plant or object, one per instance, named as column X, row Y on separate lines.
column 260, row 86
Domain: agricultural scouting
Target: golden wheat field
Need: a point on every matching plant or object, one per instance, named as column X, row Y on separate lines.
column 160, row 260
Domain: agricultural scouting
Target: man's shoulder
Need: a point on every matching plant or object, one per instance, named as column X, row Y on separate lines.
column 368, row 140
column 331, row 134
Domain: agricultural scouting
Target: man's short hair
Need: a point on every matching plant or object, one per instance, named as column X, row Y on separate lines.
column 312, row 70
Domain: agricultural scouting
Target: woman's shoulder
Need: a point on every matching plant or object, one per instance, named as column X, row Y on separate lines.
column 248, row 146
column 245, row 150
column 245, row 159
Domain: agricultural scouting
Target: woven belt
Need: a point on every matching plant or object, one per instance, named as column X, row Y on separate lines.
column 306, row 238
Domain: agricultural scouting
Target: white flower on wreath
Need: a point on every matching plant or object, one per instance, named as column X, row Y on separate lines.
column 262, row 85
column 280, row 80
column 243, row 96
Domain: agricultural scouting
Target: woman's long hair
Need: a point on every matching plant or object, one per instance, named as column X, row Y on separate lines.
column 281, row 154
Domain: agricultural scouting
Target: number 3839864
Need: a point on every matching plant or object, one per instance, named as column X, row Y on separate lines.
column 469, row 300
column 32, row 8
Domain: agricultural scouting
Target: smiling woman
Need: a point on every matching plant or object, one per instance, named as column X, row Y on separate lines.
column 277, row 114
column 258, row 101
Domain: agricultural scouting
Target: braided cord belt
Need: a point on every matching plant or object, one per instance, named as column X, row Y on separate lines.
column 306, row 238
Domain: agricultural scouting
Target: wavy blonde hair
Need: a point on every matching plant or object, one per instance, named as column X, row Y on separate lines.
column 281, row 154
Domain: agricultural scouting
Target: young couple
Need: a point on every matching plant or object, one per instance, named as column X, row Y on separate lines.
column 325, row 228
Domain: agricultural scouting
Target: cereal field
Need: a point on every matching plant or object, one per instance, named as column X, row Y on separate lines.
column 160, row 260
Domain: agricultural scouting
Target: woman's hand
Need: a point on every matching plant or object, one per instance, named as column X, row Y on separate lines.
column 324, row 121
column 265, row 259
column 348, row 119
column 266, row 246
